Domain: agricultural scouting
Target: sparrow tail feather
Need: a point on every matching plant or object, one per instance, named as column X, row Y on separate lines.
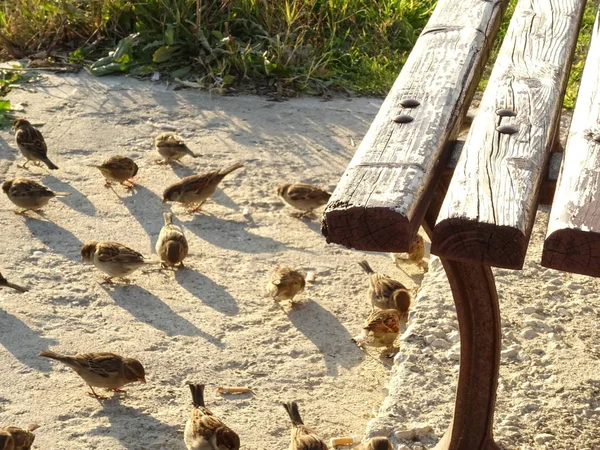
column 231, row 168
column 197, row 394
column 366, row 267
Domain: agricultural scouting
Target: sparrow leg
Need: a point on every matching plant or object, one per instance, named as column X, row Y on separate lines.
column 197, row 208
column 20, row 212
column 24, row 166
column 181, row 266
column 99, row 397
column 107, row 184
column 161, row 162
column 129, row 186
column 118, row 390
column 108, row 280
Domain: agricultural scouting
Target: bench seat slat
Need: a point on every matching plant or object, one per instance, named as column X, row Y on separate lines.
column 573, row 237
column 382, row 197
column 488, row 212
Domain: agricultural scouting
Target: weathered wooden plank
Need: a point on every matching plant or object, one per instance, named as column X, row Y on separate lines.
column 490, row 207
column 573, row 237
column 382, row 197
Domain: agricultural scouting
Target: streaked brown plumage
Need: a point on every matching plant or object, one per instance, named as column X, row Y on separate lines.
column 415, row 254
column 6, row 440
column 15, row 438
column 196, row 189
column 4, row 282
column 285, row 283
column 303, row 197
column 171, row 246
column 377, row 443
column 29, row 194
column 114, row 259
column 204, row 430
column 119, row 169
column 380, row 329
column 386, row 293
column 102, row 369
column 302, row 437
column 171, row 147
column 31, row 143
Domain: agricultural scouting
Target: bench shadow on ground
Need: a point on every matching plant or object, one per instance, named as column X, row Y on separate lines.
column 210, row 293
column 76, row 200
column 326, row 332
column 148, row 308
column 7, row 153
column 55, row 237
column 24, row 343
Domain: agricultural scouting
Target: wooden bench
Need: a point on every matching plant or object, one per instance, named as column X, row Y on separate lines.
column 479, row 206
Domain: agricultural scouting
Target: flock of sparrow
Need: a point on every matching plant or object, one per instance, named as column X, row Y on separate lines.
column 390, row 299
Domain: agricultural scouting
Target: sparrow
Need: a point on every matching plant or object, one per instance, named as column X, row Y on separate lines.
column 31, row 144
column 171, row 147
column 377, row 443
column 285, row 283
column 15, row 438
column 303, row 438
column 112, row 258
column 102, row 369
column 386, row 293
column 415, row 254
column 29, row 194
column 304, row 197
column 16, row 287
column 195, row 189
column 380, row 329
column 119, row 169
column 172, row 246
column 204, row 430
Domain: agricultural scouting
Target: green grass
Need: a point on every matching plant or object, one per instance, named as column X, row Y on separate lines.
column 292, row 45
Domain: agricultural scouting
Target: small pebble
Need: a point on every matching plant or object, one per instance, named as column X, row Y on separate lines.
column 440, row 343
column 246, row 212
column 529, row 334
column 310, row 276
column 542, row 438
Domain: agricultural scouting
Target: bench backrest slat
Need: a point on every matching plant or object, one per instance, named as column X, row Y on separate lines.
column 382, row 197
column 573, row 240
column 488, row 212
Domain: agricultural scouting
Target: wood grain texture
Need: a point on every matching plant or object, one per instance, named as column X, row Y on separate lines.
column 573, row 237
column 488, row 213
column 382, row 197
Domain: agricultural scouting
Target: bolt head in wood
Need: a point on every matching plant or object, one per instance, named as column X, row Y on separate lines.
column 403, row 118
column 409, row 103
column 507, row 129
column 503, row 112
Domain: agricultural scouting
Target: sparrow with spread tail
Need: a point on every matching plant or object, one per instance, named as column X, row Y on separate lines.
column 31, row 144
column 285, row 283
column 119, row 169
column 303, row 197
column 303, row 437
column 380, row 329
column 29, row 194
column 171, row 147
column 415, row 255
column 195, row 189
column 15, row 438
column 204, row 430
column 5, row 283
column 377, row 443
column 384, row 292
column 102, row 369
column 112, row 258
column 171, row 246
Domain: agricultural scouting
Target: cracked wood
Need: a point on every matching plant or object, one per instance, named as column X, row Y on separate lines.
column 382, row 197
column 488, row 213
column 573, row 237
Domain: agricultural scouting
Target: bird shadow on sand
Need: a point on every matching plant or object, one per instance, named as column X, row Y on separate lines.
column 326, row 332
column 210, row 293
column 24, row 343
column 76, row 200
column 140, row 206
column 150, row 309
column 132, row 427
column 182, row 171
column 7, row 153
column 55, row 237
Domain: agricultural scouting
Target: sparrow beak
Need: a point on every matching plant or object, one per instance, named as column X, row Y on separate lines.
column 142, row 380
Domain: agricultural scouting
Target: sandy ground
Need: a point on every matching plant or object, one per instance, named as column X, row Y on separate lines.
column 209, row 323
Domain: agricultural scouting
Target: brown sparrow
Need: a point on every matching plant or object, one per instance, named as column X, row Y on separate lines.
column 204, row 430
column 119, row 169
column 171, row 147
column 304, row 197
column 29, row 194
column 303, row 437
column 195, row 189
column 377, row 443
column 384, row 292
column 415, row 254
column 285, row 283
column 15, row 438
column 102, row 369
column 31, row 144
column 112, row 258
column 16, row 287
column 380, row 329
column 172, row 246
